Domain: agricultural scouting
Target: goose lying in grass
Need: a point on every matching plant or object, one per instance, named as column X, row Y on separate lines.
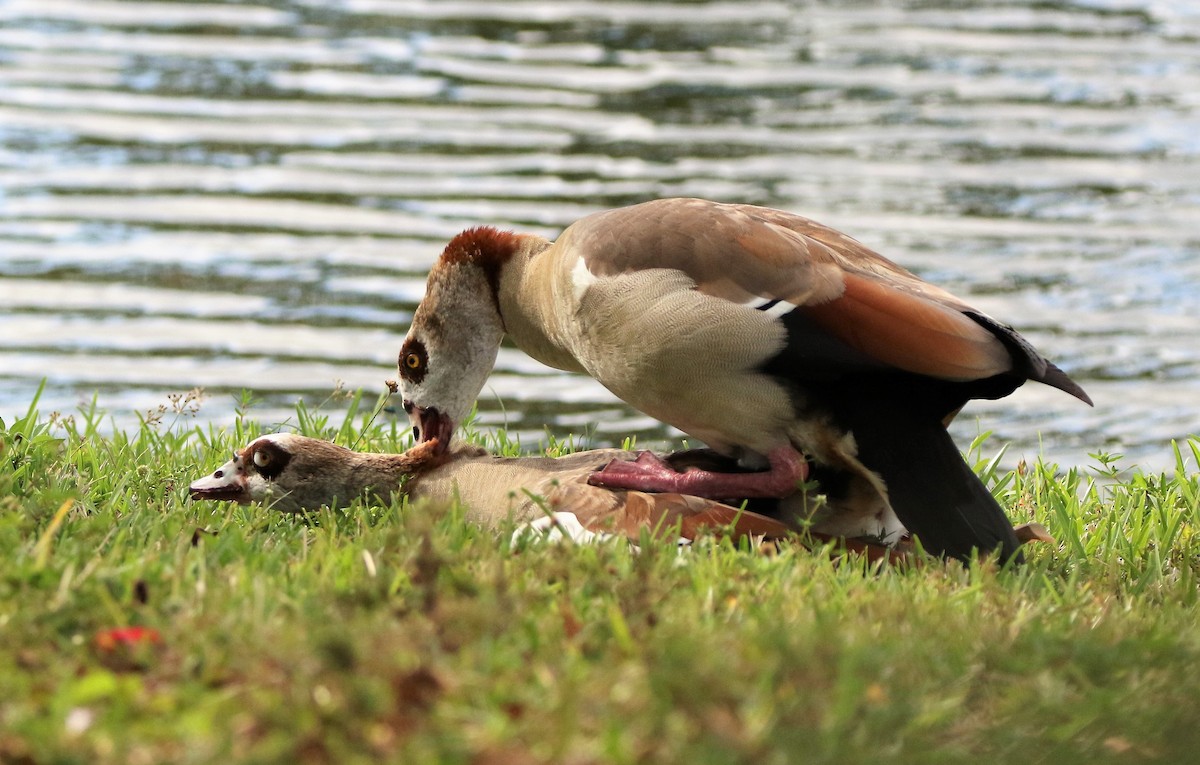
column 768, row 336
column 295, row 473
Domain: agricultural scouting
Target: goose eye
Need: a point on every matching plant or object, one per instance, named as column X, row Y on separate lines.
column 414, row 361
column 262, row 458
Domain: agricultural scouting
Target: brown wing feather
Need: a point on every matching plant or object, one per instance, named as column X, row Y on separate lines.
column 736, row 252
column 729, row 251
column 695, row 514
column 910, row 332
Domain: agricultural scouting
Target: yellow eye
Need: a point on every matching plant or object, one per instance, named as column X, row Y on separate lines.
column 413, row 361
column 262, row 458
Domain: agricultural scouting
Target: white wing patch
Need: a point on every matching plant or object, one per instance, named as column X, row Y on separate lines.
column 558, row 527
column 581, row 279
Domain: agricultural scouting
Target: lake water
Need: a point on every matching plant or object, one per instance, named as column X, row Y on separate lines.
column 248, row 195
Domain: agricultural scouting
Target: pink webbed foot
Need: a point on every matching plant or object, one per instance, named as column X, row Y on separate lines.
column 649, row 473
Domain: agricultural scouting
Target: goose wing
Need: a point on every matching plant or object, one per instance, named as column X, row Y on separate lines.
column 866, row 309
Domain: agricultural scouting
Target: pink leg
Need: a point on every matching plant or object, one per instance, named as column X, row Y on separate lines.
column 649, row 473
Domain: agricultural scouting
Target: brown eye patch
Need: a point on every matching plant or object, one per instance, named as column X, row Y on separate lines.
column 268, row 458
column 413, row 361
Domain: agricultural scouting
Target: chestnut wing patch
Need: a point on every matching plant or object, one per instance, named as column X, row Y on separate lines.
column 910, row 332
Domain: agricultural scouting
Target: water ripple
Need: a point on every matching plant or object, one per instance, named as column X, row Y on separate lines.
column 248, row 196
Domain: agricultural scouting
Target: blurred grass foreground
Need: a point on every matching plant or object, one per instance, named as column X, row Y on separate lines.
column 139, row 627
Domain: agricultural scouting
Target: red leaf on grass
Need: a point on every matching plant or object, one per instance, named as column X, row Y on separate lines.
column 126, row 637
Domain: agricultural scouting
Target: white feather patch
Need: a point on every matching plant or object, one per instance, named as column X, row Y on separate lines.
column 581, row 278
column 558, row 527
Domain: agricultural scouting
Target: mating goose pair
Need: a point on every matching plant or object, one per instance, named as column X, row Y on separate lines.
column 772, row 338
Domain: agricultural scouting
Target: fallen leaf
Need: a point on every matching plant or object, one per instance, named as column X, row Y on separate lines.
column 126, row 637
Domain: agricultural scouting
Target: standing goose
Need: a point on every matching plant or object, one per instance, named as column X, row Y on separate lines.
column 768, row 336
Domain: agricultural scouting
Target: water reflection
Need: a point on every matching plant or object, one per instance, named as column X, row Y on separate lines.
column 246, row 195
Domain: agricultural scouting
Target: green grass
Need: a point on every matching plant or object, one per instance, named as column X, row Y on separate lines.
column 403, row 634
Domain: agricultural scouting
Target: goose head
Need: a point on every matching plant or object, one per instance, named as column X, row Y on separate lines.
column 455, row 335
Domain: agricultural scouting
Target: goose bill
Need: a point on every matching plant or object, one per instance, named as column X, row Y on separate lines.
column 227, row 484
column 430, row 424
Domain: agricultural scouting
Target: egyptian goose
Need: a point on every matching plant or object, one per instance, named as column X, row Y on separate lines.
column 295, row 473
column 768, row 336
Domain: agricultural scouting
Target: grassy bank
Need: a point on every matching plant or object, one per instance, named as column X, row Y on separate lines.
column 403, row 634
